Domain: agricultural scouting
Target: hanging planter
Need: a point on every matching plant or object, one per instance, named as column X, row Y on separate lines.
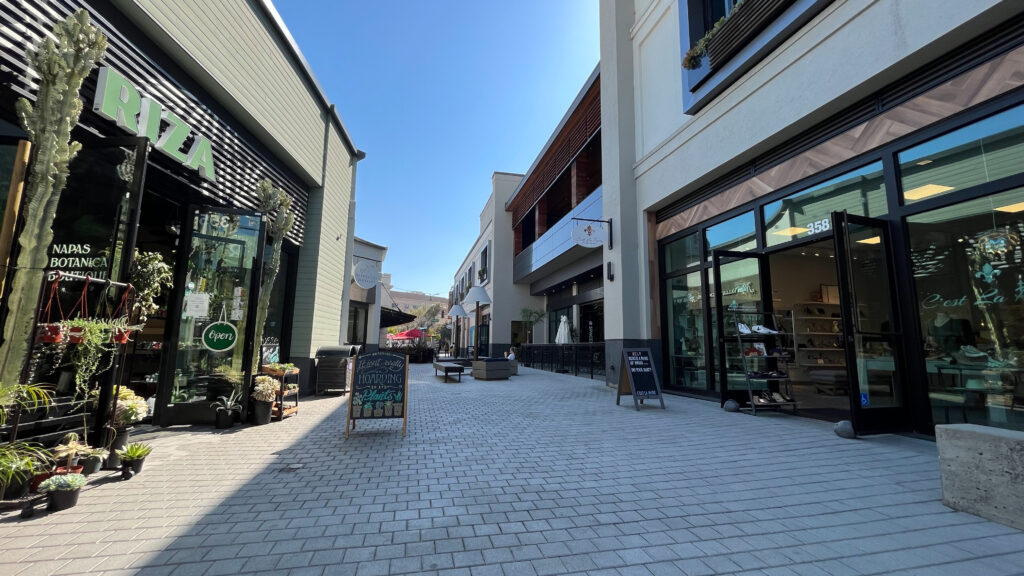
column 50, row 333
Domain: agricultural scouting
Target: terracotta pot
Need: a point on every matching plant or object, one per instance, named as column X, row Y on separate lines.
column 120, row 336
column 50, row 333
column 76, row 335
column 61, row 470
column 37, row 480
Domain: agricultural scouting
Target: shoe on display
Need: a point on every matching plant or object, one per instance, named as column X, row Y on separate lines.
column 808, row 311
column 743, row 328
column 969, row 351
column 751, row 351
column 760, row 400
column 786, row 397
column 762, row 330
column 777, row 374
column 778, row 397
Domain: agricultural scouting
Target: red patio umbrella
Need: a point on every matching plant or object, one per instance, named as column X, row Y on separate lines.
column 413, row 334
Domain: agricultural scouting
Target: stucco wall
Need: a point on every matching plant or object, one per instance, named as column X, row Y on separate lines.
column 847, row 52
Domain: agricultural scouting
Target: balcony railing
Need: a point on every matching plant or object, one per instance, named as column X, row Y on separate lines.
column 576, row 359
column 547, row 251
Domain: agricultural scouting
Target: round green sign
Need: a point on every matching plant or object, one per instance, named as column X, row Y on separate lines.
column 220, row 336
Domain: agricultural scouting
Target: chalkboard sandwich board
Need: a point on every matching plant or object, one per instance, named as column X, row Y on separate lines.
column 638, row 377
column 380, row 389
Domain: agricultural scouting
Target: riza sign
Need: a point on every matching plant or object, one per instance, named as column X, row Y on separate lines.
column 119, row 101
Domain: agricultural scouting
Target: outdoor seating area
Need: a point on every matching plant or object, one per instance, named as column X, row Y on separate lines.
column 449, row 368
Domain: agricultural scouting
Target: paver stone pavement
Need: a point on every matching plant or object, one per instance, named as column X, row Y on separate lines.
column 537, row 475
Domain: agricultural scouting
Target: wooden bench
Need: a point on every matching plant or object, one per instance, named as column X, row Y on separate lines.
column 448, row 368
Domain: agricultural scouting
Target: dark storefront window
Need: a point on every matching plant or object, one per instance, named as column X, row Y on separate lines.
column 969, row 276
column 555, row 318
column 682, row 253
column 592, row 322
column 687, row 368
column 981, row 152
column 357, row 312
column 809, row 211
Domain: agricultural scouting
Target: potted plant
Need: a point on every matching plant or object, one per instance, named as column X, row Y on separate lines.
column 19, row 463
column 280, row 369
column 264, row 392
column 63, row 491
column 129, row 410
column 132, row 457
column 150, row 274
column 91, row 346
column 92, row 460
column 68, row 453
column 226, row 407
column 481, row 274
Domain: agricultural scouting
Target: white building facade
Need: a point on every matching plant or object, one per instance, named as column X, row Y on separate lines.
column 846, row 173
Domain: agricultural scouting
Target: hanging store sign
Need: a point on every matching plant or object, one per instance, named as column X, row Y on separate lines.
column 220, row 336
column 588, row 234
column 117, row 100
column 366, row 274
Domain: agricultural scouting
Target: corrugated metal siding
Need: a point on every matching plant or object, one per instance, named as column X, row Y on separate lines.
column 257, row 72
column 239, row 164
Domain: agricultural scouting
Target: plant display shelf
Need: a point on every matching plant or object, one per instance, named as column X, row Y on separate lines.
column 287, row 402
column 754, row 363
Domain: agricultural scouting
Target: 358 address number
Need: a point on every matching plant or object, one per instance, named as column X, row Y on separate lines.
column 818, row 226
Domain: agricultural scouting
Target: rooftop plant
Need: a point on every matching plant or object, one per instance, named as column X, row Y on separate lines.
column 134, row 451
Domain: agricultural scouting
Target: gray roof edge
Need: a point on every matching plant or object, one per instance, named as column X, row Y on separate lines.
column 282, row 30
column 368, row 243
column 572, row 108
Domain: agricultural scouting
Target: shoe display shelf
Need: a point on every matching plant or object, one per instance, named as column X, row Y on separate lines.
column 765, row 346
column 818, row 335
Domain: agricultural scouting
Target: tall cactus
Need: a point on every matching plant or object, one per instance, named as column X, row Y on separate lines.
column 61, row 66
column 276, row 202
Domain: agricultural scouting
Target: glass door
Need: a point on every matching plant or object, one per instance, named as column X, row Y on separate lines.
column 874, row 337
column 739, row 306
column 217, row 286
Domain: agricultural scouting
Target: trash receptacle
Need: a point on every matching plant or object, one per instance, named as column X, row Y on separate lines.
column 332, row 367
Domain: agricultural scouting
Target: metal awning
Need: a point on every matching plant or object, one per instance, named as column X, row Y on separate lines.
column 390, row 317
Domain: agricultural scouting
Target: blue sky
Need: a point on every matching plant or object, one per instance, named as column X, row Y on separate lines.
column 441, row 94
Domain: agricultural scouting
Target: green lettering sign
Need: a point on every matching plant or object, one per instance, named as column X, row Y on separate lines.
column 119, row 101
column 220, row 336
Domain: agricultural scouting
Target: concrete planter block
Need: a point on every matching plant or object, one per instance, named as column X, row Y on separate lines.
column 982, row 471
column 491, row 369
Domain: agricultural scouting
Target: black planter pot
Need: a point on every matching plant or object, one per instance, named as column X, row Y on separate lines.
column 16, row 489
column 225, row 419
column 120, row 441
column 91, row 465
column 62, row 500
column 131, row 468
column 261, row 412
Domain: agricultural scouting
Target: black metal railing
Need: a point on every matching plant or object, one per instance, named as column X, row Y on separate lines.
column 575, row 359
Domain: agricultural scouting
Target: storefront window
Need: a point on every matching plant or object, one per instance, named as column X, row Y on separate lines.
column 735, row 234
column 981, row 152
column 809, row 211
column 682, row 254
column 555, row 318
column 592, row 322
column 969, row 276
column 357, row 323
column 687, row 368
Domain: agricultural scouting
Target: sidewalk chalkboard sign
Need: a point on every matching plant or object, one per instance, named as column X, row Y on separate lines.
column 638, row 377
column 379, row 390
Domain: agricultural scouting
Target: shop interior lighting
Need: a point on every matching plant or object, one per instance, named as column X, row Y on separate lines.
column 1012, row 208
column 926, row 191
column 791, row 231
column 924, row 162
column 872, row 240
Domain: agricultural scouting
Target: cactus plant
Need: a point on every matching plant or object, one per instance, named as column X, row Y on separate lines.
column 62, row 65
column 276, row 201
